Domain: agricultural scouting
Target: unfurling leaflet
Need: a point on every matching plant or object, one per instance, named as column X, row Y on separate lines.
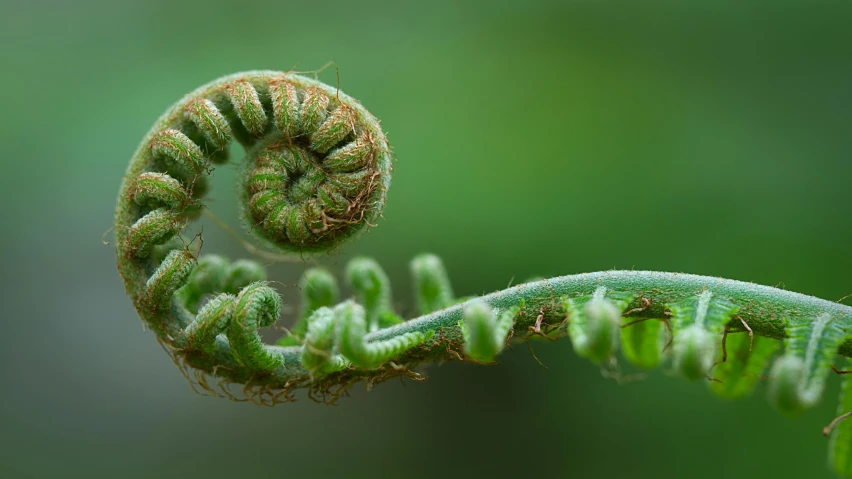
column 594, row 323
column 318, row 288
column 797, row 379
column 739, row 368
column 351, row 329
column 697, row 325
column 643, row 341
column 431, row 284
column 373, row 290
column 317, row 351
column 485, row 330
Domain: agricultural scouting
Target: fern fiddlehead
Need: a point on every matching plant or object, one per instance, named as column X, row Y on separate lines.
column 316, row 174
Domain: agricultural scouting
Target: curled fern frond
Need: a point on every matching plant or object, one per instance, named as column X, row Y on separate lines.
column 484, row 330
column 316, row 174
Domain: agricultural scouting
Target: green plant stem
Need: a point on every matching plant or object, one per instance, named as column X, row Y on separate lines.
column 765, row 309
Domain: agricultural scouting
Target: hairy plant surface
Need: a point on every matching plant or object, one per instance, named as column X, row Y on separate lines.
column 316, row 174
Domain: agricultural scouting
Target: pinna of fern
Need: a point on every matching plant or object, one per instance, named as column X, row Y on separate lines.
column 316, row 174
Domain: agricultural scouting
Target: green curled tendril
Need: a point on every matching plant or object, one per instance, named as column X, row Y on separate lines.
column 316, row 174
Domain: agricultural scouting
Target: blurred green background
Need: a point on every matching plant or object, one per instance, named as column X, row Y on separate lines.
column 533, row 138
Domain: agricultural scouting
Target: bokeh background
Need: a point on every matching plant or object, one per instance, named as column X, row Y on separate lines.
column 533, row 138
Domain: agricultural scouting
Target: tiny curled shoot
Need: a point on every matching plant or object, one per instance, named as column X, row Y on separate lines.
column 318, row 288
column 351, row 329
column 373, row 291
column 485, row 330
column 317, row 351
column 431, row 283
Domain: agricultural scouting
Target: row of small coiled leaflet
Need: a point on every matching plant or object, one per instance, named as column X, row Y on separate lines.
column 316, row 173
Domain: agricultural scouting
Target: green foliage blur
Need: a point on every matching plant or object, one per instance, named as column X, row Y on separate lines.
column 533, row 138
